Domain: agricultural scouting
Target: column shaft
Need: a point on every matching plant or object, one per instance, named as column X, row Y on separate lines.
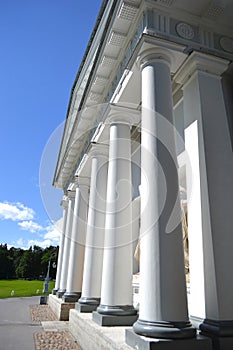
column 77, row 246
column 163, row 300
column 66, row 253
column 61, row 250
column 116, row 292
column 93, row 263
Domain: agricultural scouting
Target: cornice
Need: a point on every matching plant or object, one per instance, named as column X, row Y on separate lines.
column 108, row 58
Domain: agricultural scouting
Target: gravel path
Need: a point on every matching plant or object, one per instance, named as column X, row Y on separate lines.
column 56, row 335
column 41, row 313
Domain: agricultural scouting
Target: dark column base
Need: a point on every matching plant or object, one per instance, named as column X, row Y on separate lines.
column 87, row 304
column 113, row 320
column 165, row 330
column 60, row 293
column 219, row 328
column 43, row 300
column 117, row 315
column 221, row 333
column 117, row 310
column 71, row 297
column 142, row 343
column 54, row 291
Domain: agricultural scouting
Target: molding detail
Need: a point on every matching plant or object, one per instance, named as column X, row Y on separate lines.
column 108, row 61
column 100, row 80
column 185, row 30
column 214, row 11
column 94, row 96
column 127, row 12
column 204, row 63
column 167, row 3
column 226, row 44
column 116, row 39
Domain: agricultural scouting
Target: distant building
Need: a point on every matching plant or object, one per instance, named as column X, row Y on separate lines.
column 149, row 133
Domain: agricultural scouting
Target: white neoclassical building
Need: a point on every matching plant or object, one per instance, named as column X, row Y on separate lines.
column 148, row 138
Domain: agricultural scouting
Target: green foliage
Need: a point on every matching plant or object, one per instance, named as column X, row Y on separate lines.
column 22, row 288
column 50, row 254
column 6, row 264
column 27, row 264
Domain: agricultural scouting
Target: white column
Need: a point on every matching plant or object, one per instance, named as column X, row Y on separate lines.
column 77, row 245
column 116, row 291
column 64, row 203
column 93, row 262
column 204, row 105
column 163, row 300
column 66, row 252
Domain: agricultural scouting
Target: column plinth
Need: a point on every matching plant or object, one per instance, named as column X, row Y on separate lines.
column 167, row 330
column 87, row 304
column 218, row 328
column 117, row 310
column 71, row 297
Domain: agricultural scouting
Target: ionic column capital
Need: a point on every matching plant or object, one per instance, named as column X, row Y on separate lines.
column 98, row 150
column 71, row 193
column 64, row 202
column 117, row 114
column 201, row 62
column 82, row 181
column 155, row 55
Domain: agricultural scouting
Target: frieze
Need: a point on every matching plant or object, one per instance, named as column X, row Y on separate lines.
column 185, row 30
column 226, row 44
column 161, row 25
column 196, row 37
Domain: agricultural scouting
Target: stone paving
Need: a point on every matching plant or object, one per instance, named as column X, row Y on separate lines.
column 41, row 313
column 56, row 335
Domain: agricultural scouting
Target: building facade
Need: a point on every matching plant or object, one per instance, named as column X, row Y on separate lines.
column 149, row 135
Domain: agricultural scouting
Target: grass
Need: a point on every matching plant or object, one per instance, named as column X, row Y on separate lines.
column 22, row 288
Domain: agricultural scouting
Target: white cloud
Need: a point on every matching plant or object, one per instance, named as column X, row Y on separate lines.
column 20, row 242
column 43, row 244
column 30, row 226
column 53, row 234
column 50, row 236
column 15, row 211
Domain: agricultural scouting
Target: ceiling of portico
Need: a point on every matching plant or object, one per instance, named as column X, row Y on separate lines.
column 215, row 13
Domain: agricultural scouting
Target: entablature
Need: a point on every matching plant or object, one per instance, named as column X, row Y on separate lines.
column 110, row 63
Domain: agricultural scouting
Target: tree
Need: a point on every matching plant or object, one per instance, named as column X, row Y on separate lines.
column 50, row 253
column 24, row 270
column 30, row 264
column 15, row 255
column 6, row 264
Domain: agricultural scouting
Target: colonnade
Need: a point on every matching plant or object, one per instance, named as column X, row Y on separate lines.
column 96, row 255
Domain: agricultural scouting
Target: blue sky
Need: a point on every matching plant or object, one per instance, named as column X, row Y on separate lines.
column 42, row 44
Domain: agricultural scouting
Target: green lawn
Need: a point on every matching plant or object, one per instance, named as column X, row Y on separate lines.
column 22, row 288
